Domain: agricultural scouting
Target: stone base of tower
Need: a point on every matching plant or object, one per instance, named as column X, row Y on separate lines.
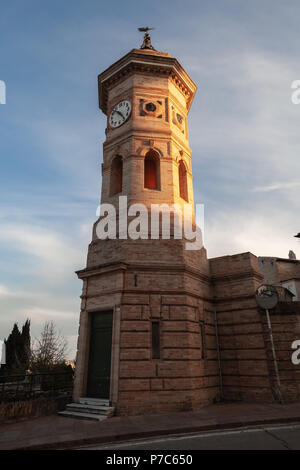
column 166, row 286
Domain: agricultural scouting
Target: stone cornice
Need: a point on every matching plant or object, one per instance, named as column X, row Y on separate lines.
column 140, row 291
column 138, row 133
column 153, row 63
column 165, row 135
column 215, row 301
column 101, row 269
column 117, row 266
column 233, row 276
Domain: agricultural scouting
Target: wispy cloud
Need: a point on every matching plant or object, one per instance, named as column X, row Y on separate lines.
column 277, row 186
column 39, row 306
column 257, row 230
column 49, row 289
column 51, row 249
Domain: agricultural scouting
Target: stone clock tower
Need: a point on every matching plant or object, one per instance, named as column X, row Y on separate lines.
column 146, row 337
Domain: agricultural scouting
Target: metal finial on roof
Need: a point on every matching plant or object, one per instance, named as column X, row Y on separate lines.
column 147, row 39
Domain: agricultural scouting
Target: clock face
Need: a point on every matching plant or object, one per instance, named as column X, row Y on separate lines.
column 120, row 114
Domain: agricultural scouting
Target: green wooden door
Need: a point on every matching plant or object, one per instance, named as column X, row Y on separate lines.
column 100, row 355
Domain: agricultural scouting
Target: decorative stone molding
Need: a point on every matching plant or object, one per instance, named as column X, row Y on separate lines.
column 152, row 108
column 154, row 63
column 142, row 151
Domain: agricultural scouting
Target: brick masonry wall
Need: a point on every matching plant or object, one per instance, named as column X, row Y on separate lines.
column 186, row 375
column 278, row 269
column 161, row 287
column 285, row 321
column 288, row 269
column 244, row 366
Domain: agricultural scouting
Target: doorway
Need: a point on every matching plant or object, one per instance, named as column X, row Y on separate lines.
column 98, row 383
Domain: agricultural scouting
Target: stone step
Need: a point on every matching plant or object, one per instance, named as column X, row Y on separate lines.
column 90, row 408
column 94, row 401
column 89, row 416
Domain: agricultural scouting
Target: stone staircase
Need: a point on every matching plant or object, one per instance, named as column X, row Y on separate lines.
column 95, row 409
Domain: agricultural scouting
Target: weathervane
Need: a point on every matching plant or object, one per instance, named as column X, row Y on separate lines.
column 147, row 39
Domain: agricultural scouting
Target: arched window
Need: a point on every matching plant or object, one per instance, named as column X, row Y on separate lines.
column 151, row 170
column 183, row 181
column 116, row 176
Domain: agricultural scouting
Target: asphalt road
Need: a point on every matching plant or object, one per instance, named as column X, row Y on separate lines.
column 262, row 438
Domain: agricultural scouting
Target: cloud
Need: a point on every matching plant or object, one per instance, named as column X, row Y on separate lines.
column 39, row 306
column 4, row 291
column 277, row 186
column 245, row 138
column 42, row 284
column 258, row 231
column 56, row 255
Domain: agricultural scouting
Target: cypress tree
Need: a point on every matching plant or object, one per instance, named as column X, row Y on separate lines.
column 18, row 349
column 12, row 347
column 26, row 347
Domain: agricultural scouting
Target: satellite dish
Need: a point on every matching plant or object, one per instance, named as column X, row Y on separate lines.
column 267, row 296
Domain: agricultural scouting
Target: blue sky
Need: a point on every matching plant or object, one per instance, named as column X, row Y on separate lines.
column 244, row 133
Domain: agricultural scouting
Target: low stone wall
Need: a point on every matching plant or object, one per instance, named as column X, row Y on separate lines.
column 21, row 410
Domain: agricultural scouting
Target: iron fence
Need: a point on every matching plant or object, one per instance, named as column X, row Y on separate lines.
column 28, row 386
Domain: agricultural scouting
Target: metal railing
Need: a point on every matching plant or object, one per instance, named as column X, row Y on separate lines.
column 31, row 386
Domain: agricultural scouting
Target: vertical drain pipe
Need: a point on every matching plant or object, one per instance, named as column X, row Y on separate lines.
column 219, row 356
column 274, row 356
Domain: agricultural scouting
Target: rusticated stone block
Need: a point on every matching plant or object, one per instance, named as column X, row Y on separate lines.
column 130, row 369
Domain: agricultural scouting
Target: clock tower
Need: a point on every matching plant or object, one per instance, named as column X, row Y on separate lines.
column 146, row 339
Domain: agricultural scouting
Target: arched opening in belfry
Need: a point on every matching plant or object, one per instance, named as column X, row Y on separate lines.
column 116, row 176
column 183, row 189
column 151, row 170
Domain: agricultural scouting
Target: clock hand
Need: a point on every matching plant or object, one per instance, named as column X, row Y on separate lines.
column 116, row 111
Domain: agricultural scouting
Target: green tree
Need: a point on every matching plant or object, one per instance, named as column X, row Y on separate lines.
column 12, row 346
column 18, row 349
column 25, row 351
